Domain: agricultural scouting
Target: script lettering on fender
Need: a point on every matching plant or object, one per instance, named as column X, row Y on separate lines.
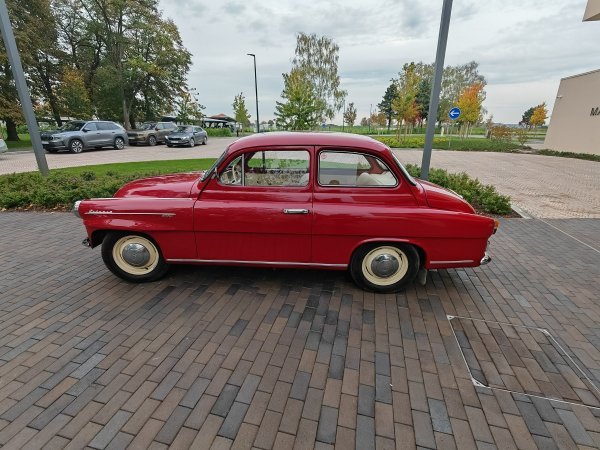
column 595, row 111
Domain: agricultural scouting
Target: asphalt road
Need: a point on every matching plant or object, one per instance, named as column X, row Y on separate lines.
column 543, row 186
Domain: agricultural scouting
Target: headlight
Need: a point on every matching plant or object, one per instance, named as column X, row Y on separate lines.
column 56, row 137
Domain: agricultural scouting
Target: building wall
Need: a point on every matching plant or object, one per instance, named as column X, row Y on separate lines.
column 575, row 122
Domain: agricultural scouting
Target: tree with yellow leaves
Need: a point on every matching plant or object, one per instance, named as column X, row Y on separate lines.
column 540, row 113
column 469, row 102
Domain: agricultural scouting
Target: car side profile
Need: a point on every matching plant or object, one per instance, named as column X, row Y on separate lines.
column 79, row 135
column 151, row 133
column 320, row 200
column 186, row 135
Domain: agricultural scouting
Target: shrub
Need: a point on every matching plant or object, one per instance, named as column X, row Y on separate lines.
column 501, row 133
column 483, row 197
column 453, row 143
column 219, row 132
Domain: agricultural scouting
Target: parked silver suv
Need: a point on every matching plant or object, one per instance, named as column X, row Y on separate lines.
column 79, row 135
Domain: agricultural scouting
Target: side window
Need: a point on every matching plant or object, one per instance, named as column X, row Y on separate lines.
column 90, row 126
column 159, row 126
column 338, row 168
column 105, row 126
column 269, row 168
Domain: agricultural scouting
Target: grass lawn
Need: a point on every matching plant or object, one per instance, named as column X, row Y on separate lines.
column 24, row 143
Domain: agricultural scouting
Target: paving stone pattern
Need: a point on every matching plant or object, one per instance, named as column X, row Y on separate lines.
column 242, row 358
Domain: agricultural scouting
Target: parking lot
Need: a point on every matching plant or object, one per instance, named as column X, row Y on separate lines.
column 241, row 358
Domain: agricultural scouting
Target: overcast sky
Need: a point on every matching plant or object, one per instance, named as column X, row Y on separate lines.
column 523, row 48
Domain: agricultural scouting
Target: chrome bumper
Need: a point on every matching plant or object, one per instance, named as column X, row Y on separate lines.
column 486, row 259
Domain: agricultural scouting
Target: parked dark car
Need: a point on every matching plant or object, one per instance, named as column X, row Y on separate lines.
column 151, row 133
column 79, row 135
column 189, row 135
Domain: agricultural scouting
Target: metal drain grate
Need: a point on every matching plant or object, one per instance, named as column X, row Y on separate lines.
column 524, row 360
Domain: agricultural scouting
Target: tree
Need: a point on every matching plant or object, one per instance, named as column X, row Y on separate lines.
column 526, row 119
column 469, row 103
column 364, row 122
column 317, row 58
column 72, row 95
column 540, row 113
column 404, row 105
column 188, row 110
column 422, row 98
column 350, row 114
column 33, row 26
column 240, row 111
column 385, row 106
column 302, row 107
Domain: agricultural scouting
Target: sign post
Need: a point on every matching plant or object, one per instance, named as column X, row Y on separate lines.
column 17, row 69
column 436, row 87
column 454, row 114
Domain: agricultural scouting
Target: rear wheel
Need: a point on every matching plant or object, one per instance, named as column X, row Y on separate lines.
column 383, row 267
column 205, row 140
column 119, row 143
column 133, row 257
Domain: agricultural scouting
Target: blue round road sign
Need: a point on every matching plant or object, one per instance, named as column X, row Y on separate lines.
column 454, row 113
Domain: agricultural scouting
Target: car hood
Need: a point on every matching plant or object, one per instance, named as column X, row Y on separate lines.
column 442, row 198
column 59, row 132
column 179, row 134
column 164, row 186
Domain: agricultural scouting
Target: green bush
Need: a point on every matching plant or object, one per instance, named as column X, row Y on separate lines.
column 454, row 143
column 483, row 197
column 219, row 132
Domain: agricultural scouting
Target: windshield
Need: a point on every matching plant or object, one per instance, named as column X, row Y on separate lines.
column 148, row 126
column 184, row 129
column 410, row 179
column 72, row 126
column 219, row 160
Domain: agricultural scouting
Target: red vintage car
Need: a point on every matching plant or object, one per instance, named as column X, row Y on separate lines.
column 320, row 200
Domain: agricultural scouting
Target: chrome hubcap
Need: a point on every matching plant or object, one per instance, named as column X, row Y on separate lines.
column 385, row 265
column 135, row 254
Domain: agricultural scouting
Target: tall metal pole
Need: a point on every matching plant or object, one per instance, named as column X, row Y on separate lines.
column 436, row 87
column 256, row 92
column 22, row 90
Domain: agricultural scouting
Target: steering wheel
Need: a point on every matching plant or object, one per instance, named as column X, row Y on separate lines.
column 233, row 173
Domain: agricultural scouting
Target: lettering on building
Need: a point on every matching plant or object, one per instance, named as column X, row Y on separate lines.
column 595, row 111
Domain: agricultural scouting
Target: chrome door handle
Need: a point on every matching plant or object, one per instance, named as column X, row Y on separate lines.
column 295, row 211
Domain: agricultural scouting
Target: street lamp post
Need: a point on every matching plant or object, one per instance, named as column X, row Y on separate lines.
column 255, row 92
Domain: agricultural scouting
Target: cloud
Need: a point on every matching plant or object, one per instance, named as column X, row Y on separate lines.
column 526, row 45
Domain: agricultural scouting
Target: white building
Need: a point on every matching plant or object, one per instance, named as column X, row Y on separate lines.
column 575, row 122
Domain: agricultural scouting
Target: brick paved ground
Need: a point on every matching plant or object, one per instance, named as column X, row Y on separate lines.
column 544, row 186
column 229, row 357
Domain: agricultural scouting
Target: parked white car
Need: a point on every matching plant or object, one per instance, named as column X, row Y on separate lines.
column 3, row 147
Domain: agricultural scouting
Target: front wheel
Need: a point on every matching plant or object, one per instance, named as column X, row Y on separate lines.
column 151, row 141
column 383, row 267
column 119, row 143
column 192, row 142
column 133, row 257
column 76, row 146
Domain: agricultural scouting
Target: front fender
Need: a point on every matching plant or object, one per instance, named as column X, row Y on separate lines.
column 169, row 221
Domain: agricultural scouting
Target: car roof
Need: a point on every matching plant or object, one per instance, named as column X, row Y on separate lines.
column 308, row 138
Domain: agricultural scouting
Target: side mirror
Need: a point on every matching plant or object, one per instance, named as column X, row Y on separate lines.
column 85, row 130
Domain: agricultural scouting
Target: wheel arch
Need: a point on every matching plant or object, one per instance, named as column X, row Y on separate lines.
column 418, row 247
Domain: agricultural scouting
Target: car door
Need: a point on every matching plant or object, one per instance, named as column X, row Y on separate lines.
column 258, row 209
column 108, row 132
column 357, row 197
column 91, row 135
